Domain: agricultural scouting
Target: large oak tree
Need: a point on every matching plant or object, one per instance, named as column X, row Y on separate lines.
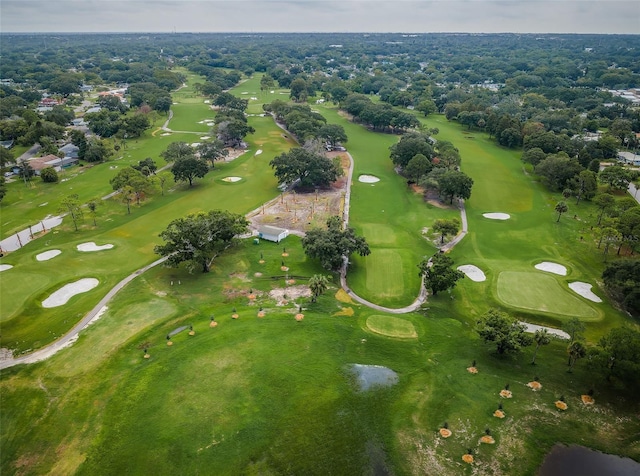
column 330, row 246
column 198, row 238
column 313, row 170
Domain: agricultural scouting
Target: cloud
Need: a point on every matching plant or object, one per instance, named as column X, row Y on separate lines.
column 530, row 16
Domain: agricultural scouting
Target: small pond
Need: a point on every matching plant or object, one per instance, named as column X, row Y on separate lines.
column 368, row 376
column 580, row 461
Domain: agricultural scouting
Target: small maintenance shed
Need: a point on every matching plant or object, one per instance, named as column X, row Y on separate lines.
column 272, row 233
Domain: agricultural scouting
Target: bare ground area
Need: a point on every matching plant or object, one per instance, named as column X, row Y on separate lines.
column 299, row 212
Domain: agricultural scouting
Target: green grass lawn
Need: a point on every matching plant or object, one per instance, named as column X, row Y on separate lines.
column 273, row 395
column 530, row 236
column 535, row 291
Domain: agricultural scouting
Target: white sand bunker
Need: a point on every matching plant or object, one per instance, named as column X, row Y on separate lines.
column 472, row 272
column 550, row 267
column 231, row 179
column 584, row 290
column 66, row 292
column 258, row 152
column 91, row 246
column 532, row 328
column 368, row 179
column 205, row 137
column 195, row 144
column 47, row 255
column 4, row 267
column 497, row 216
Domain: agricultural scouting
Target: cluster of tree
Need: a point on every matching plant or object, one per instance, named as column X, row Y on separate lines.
column 198, row 238
column 380, row 117
column 305, row 169
column 438, row 273
column 305, row 124
column 560, row 172
column 617, row 354
column 218, row 80
column 131, row 184
column 30, row 129
column 333, row 245
column 618, row 223
column 622, row 282
column 90, row 149
column 107, row 123
column 231, row 124
column 436, row 169
column 190, row 163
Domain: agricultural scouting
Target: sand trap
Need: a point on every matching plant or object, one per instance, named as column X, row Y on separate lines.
column 253, row 98
column 43, row 204
column 205, row 137
column 91, row 246
column 368, row 179
column 166, row 134
column 532, row 328
column 258, row 152
column 232, row 179
column 584, row 290
column 195, row 144
column 66, row 292
column 497, row 216
column 4, row 267
column 368, row 376
column 47, row 255
column 98, row 315
column 550, row 267
column 472, row 272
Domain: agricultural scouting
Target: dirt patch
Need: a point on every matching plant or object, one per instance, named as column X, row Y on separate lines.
column 535, row 385
column 283, row 295
column 297, row 211
column 345, row 311
column 342, row 296
column 587, row 399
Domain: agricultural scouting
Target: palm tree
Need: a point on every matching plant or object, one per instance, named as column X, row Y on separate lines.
column 542, row 337
column 318, row 283
column 561, row 208
column 576, row 351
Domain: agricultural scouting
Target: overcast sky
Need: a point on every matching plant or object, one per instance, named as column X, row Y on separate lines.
column 408, row 16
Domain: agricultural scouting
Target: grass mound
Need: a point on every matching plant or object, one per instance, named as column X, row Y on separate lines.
column 539, row 292
column 392, row 327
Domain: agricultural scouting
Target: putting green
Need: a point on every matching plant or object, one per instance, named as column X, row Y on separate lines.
column 384, row 273
column 391, row 326
column 378, row 234
column 539, row 292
